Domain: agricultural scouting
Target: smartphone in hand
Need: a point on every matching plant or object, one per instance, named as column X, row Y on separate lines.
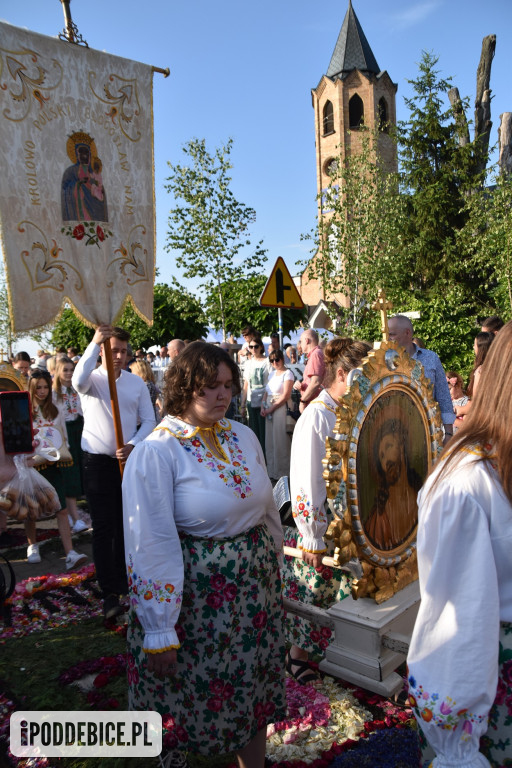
column 16, row 418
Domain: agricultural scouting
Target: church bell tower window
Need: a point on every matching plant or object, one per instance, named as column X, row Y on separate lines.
column 383, row 115
column 355, row 112
column 328, row 118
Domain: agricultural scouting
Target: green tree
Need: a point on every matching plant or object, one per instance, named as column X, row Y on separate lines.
column 486, row 242
column 358, row 241
column 446, row 324
column 241, row 308
column 7, row 337
column 69, row 331
column 209, row 227
column 176, row 314
column 438, row 174
column 6, row 334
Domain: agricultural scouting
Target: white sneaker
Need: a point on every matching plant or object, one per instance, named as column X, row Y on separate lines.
column 33, row 555
column 79, row 527
column 74, row 559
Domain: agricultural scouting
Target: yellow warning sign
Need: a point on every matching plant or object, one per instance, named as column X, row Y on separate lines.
column 280, row 290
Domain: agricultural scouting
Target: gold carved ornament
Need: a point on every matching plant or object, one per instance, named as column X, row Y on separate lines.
column 387, row 380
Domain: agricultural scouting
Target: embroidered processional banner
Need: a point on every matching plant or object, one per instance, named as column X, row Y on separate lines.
column 77, row 182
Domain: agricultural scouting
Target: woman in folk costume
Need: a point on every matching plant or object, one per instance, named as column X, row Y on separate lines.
column 460, row 658
column 202, row 539
column 67, row 399
column 308, row 580
column 49, row 419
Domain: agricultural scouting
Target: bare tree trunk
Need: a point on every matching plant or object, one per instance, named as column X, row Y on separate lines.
column 483, row 121
column 460, row 116
column 505, row 141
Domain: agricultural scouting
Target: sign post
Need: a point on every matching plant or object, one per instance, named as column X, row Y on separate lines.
column 280, row 291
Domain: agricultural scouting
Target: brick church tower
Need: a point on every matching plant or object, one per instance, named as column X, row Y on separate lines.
column 353, row 91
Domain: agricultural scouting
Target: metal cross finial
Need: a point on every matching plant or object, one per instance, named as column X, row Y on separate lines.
column 382, row 304
column 70, row 33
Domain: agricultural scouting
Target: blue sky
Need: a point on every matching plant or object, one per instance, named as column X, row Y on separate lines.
column 245, row 70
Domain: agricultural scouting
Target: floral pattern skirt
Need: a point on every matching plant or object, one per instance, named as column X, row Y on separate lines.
column 229, row 682
column 496, row 745
column 322, row 587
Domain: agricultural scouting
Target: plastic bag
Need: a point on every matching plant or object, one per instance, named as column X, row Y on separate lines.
column 28, row 495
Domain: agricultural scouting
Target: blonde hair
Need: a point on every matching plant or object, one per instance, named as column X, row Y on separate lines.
column 50, row 364
column 488, row 421
column 143, row 369
column 344, row 353
column 57, row 380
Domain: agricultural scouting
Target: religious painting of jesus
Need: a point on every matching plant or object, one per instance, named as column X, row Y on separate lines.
column 392, row 464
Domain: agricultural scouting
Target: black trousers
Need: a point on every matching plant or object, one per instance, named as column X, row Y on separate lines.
column 102, row 485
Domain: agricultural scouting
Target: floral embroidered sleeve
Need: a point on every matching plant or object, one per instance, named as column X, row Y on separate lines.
column 307, row 486
column 453, row 657
column 153, row 551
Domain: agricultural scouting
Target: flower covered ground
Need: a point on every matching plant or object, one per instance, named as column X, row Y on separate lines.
column 329, row 724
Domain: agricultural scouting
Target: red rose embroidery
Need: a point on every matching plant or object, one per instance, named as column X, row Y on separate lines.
column 260, row 620
column 214, row 600
column 79, row 232
column 214, row 704
column 218, row 581
column 100, row 233
column 230, row 592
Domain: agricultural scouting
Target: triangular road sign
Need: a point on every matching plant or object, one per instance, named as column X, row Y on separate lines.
column 280, row 290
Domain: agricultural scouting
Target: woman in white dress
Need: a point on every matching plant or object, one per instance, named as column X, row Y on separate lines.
column 308, row 580
column 202, row 537
column 256, row 371
column 460, row 658
column 277, row 440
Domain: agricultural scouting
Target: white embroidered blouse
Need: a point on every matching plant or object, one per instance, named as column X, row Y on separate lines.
column 173, row 482
column 68, row 402
column 307, row 486
column 59, row 422
column 464, row 559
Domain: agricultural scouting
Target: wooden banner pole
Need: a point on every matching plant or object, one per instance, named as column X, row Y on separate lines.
column 114, row 402
column 328, row 561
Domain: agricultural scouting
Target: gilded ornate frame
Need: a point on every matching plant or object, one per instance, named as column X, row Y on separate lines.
column 387, row 370
column 9, row 376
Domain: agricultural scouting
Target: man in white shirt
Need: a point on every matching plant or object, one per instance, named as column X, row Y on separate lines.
column 164, row 359
column 101, row 457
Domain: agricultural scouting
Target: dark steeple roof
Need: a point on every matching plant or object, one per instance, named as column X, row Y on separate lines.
column 352, row 49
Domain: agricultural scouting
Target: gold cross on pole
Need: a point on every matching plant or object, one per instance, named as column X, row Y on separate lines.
column 382, row 304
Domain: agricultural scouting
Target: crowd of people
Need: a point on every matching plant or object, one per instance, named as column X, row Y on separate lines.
column 190, row 531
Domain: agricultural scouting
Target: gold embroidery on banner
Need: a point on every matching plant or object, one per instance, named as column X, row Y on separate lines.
column 129, row 260
column 28, row 81
column 52, row 272
column 123, row 99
